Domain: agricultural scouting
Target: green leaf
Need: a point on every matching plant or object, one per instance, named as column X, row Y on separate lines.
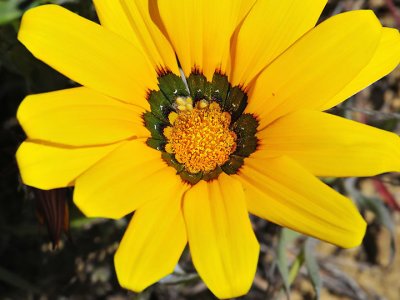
column 283, row 263
column 286, row 237
column 312, row 266
column 9, row 11
column 295, row 267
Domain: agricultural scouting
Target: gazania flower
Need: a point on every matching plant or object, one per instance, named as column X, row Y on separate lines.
column 244, row 132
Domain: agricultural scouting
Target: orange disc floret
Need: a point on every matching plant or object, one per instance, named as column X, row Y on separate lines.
column 201, row 138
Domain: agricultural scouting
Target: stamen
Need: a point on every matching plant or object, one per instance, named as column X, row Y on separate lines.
column 184, row 103
column 215, row 105
column 201, row 138
column 172, row 117
column 168, row 148
column 167, row 132
column 202, row 104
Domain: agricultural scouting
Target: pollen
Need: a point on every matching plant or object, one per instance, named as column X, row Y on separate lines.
column 184, row 103
column 201, row 139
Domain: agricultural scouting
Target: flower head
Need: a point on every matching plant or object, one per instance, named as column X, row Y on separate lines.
column 242, row 130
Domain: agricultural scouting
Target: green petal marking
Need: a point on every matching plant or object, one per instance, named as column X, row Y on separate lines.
column 235, row 103
column 233, row 165
column 191, row 178
column 245, row 128
column 172, row 162
column 160, row 105
column 197, row 85
column 172, row 86
column 154, row 125
column 212, row 174
column 219, row 88
column 156, row 144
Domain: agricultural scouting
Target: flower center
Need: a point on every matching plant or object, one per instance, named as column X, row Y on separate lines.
column 200, row 137
column 199, row 126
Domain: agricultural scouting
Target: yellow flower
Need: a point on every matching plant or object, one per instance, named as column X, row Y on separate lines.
column 247, row 136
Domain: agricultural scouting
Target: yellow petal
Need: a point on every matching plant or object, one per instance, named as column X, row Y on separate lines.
column 132, row 175
column 200, row 31
column 79, row 117
column 222, row 242
column 88, row 53
column 132, row 20
column 152, row 244
column 49, row 167
column 284, row 193
column 328, row 145
column 112, row 16
column 316, row 67
column 154, row 43
column 244, row 10
column 269, row 29
column 385, row 59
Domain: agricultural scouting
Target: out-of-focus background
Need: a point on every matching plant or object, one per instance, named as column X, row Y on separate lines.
column 49, row 250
